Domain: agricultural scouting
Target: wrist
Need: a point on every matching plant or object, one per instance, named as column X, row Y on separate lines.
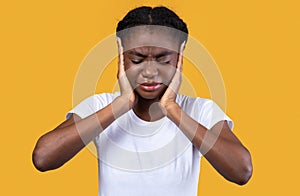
column 172, row 110
column 120, row 105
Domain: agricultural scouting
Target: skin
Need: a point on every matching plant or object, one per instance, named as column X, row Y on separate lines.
column 219, row 145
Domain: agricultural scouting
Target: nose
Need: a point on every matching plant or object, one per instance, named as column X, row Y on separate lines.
column 149, row 69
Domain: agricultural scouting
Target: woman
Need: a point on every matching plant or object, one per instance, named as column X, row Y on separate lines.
column 149, row 138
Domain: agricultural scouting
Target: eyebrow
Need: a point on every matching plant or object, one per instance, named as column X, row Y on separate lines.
column 137, row 54
column 157, row 56
column 164, row 54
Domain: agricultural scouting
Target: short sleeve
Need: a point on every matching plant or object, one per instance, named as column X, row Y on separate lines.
column 91, row 105
column 211, row 114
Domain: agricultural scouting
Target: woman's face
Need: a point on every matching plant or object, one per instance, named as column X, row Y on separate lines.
column 150, row 59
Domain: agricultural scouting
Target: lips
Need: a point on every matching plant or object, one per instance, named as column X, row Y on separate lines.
column 150, row 86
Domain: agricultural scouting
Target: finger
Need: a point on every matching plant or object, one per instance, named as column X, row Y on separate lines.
column 179, row 62
column 121, row 56
column 175, row 82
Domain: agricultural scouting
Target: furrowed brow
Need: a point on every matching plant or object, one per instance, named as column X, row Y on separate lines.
column 164, row 54
column 137, row 54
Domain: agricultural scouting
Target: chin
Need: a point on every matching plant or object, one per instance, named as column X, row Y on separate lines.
column 150, row 95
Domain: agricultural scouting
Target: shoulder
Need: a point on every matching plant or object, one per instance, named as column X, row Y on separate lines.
column 104, row 98
column 203, row 110
column 101, row 98
column 187, row 102
column 92, row 104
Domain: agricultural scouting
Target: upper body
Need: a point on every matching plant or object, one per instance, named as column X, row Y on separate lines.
column 149, row 158
column 149, row 75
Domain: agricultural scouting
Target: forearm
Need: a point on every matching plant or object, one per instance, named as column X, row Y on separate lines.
column 61, row 144
column 224, row 151
column 232, row 160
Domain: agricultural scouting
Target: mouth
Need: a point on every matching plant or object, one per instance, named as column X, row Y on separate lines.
column 150, row 86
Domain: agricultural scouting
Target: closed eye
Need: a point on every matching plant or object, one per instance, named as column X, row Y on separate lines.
column 164, row 62
column 135, row 61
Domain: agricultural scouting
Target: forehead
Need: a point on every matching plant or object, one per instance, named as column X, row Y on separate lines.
column 150, row 51
column 150, row 38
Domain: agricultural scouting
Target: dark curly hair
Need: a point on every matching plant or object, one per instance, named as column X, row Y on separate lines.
column 146, row 15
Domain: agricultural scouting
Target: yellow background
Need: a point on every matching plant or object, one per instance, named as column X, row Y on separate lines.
column 255, row 44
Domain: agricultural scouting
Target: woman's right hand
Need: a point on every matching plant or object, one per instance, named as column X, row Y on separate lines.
column 58, row 146
column 127, row 93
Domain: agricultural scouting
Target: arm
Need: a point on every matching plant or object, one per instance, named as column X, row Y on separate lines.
column 219, row 145
column 59, row 145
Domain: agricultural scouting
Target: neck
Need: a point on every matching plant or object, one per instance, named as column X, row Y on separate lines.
column 148, row 109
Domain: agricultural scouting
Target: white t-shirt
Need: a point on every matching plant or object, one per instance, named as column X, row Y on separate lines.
column 140, row 158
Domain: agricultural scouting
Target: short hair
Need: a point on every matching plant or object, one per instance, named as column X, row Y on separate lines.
column 146, row 15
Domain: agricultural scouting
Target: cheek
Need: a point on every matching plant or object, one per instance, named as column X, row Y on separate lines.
column 132, row 72
column 167, row 73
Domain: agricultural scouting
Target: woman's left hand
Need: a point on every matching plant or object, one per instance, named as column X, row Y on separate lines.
column 169, row 97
